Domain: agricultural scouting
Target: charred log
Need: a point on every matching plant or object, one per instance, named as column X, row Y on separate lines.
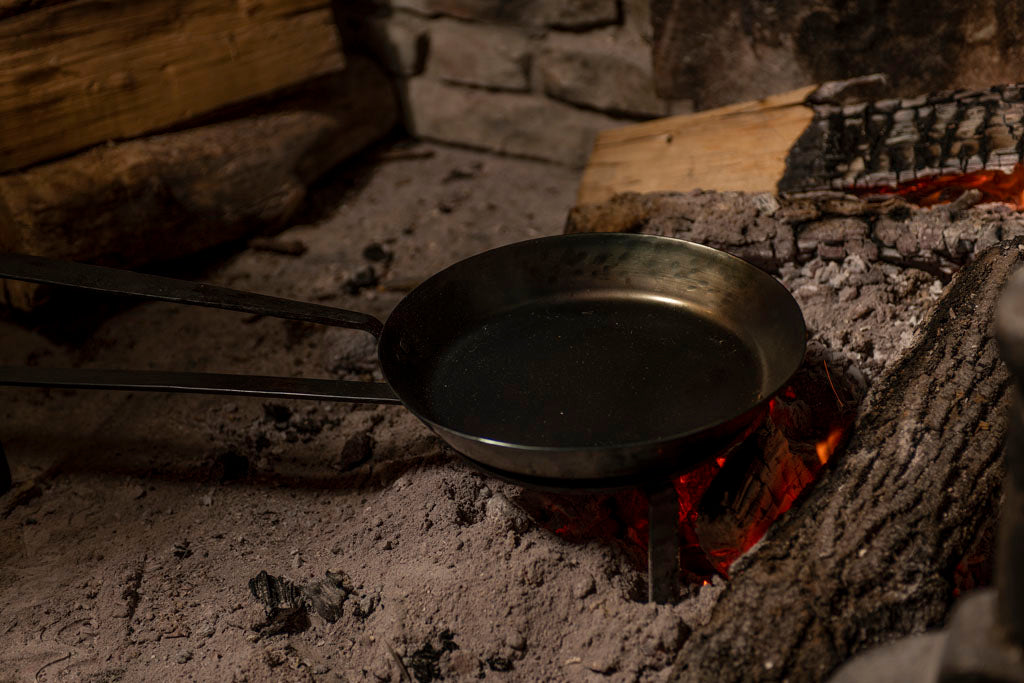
column 871, row 554
column 762, row 478
column 771, row 232
column 884, row 143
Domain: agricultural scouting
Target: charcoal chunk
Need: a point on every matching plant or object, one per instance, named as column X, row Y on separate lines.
column 327, row 596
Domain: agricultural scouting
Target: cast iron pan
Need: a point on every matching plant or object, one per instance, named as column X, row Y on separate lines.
column 570, row 361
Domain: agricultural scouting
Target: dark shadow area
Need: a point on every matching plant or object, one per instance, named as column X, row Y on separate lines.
column 221, row 466
column 70, row 317
column 336, row 186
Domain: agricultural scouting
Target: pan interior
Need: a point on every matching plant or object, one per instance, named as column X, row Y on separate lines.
column 592, row 371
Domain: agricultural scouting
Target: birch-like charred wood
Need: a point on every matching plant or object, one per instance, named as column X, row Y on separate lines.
column 770, row 231
column 870, row 554
column 883, row 143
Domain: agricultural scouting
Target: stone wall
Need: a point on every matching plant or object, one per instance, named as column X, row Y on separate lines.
column 721, row 51
column 532, row 78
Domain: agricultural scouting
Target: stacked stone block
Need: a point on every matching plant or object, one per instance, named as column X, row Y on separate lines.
column 536, row 78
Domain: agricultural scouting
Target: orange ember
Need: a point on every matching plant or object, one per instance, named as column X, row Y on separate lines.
column 995, row 186
column 829, row 445
column 748, row 485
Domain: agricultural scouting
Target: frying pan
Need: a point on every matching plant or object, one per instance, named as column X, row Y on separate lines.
column 571, row 361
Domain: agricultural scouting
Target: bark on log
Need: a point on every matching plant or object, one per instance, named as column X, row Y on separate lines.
column 81, row 73
column 770, row 231
column 165, row 196
column 870, row 554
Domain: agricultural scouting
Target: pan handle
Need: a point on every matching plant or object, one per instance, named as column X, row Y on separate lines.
column 112, row 280
column 199, row 383
column 115, row 281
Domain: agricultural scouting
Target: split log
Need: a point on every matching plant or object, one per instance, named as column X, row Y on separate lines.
column 824, row 144
column 165, row 196
column 870, row 555
column 739, row 147
column 770, row 231
column 80, row 73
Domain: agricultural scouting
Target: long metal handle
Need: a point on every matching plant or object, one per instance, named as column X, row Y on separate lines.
column 199, row 383
column 112, row 280
column 115, row 281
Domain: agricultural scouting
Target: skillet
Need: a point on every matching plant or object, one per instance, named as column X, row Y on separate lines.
column 573, row 361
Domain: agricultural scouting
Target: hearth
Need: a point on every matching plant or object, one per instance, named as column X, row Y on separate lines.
column 467, row 573
column 935, row 393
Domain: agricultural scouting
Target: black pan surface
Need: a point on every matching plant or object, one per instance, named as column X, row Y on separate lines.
column 596, row 372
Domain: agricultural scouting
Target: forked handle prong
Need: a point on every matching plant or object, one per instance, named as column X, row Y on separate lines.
column 154, row 287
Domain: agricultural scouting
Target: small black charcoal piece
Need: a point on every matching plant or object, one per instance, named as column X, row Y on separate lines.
column 275, row 592
column 499, row 664
column 283, row 603
column 459, row 174
column 424, row 662
column 377, row 253
column 327, row 596
column 357, row 450
column 364, row 278
column 277, row 245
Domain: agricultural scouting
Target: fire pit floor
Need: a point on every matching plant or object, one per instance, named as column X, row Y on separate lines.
column 137, row 521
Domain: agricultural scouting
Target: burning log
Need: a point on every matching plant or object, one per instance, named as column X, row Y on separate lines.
column 761, row 479
column 771, row 232
column 920, row 147
column 871, row 554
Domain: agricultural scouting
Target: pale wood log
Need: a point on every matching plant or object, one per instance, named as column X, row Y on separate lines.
column 79, row 73
column 739, row 147
column 165, row 196
column 871, row 554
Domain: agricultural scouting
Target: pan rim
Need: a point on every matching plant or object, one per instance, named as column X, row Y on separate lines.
column 646, row 444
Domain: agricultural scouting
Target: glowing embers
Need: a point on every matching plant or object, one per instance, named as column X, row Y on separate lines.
column 728, row 505
column 729, row 502
column 995, row 186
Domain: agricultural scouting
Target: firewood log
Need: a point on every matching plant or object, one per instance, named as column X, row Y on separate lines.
column 165, row 196
column 770, row 231
column 888, row 142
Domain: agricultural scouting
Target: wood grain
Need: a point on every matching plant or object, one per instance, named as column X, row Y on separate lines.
column 80, row 73
column 739, row 147
column 163, row 196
